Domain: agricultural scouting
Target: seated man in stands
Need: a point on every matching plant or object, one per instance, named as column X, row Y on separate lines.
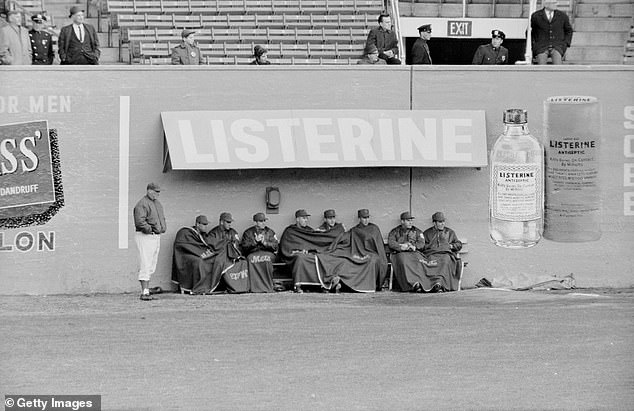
column 371, row 56
column 330, row 223
column 259, row 244
column 261, row 56
column 406, row 242
column 385, row 40
column 193, row 259
column 442, row 245
column 325, row 259
column 371, row 241
column 187, row 52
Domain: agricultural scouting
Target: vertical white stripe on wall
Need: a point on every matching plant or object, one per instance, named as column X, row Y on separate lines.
column 124, row 168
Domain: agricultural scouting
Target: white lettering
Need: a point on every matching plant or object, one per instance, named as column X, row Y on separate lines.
column 411, row 136
column 36, row 105
column 628, row 113
column 628, row 204
column 287, row 144
column 315, row 141
column 29, row 154
column 64, row 104
column 628, row 175
column 239, row 133
column 220, row 140
column 451, row 140
column 9, row 104
column 8, row 155
column 386, row 134
column 628, row 146
column 192, row 156
column 350, row 142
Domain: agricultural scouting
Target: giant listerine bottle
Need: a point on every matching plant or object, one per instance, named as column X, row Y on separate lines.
column 516, row 201
column 572, row 137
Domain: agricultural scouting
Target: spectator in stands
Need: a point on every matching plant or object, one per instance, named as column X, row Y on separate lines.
column 259, row 244
column 420, row 49
column 261, row 56
column 494, row 52
column 41, row 42
column 371, row 55
column 551, row 33
column 187, row 53
column 442, row 245
column 78, row 42
column 384, row 39
column 15, row 47
column 330, row 223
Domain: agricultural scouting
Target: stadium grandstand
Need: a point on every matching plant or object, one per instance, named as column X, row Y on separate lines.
column 333, row 31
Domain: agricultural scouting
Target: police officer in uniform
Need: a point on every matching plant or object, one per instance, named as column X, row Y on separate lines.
column 420, row 49
column 492, row 53
column 41, row 42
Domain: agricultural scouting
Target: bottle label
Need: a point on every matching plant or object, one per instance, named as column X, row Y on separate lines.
column 517, row 192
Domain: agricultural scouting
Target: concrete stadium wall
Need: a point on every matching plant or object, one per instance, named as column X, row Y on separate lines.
column 94, row 249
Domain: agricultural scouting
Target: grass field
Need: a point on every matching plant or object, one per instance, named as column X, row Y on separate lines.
column 475, row 349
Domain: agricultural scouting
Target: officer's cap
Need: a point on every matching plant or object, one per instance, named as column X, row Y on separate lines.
column 425, row 27
column 498, row 33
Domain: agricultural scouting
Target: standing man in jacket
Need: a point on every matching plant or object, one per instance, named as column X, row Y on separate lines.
column 551, row 33
column 187, row 53
column 15, row 46
column 78, row 42
column 420, row 49
column 385, row 40
column 149, row 223
column 41, row 42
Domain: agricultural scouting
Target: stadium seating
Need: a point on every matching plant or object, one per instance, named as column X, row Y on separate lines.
column 294, row 31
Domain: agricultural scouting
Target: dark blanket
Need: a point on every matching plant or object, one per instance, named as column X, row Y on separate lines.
column 193, row 259
column 322, row 258
column 369, row 240
column 409, row 270
column 260, row 265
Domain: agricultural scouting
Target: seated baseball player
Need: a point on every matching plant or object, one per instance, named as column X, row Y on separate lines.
column 442, row 245
column 259, row 244
column 330, row 223
column 406, row 243
column 371, row 241
column 325, row 259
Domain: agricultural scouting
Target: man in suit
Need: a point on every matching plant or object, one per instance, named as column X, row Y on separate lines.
column 420, row 49
column 551, row 33
column 384, row 38
column 78, row 42
column 492, row 53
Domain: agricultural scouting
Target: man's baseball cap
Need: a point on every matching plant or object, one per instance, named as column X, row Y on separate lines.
column 438, row 216
column 154, row 187
column 37, row 18
column 425, row 27
column 498, row 33
column 226, row 217
column 407, row 216
column 74, row 10
column 301, row 213
column 185, row 33
column 202, row 219
column 363, row 213
column 330, row 213
column 259, row 217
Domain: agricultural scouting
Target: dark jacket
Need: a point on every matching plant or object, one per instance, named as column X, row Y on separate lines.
column 556, row 33
column 184, row 54
column 420, row 52
column 149, row 217
column 441, row 241
column 42, row 47
column 89, row 49
column 250, row 245
column 400, row 235
column 487, row 55
column 383, row 40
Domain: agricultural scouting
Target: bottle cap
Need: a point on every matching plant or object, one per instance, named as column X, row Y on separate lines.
column 515, row 116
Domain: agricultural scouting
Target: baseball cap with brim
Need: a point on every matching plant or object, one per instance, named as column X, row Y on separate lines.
column 363, row 213
column 185, row 33
column 301, row 213
column 226, row 217
column 74, row 10
column 202, row 219
column 330, row 214
column 154, row 187
column 259, row 217
column 438, row 216
column 407, row 216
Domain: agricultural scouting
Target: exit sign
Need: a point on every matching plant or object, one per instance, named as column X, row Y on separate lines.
column 459, row 28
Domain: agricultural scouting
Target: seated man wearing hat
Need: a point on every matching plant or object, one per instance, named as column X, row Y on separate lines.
column 261, row 56
column 406, row 242
column 442, row 245
column 325, row 259
column 193, row 260
column 187, row 52
column 330, row 223
column 492, row 53
column 41, row 42
column 78, row 42
column 420, row 49
column 371, row 56
column 259, row 244
column 371, row 241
